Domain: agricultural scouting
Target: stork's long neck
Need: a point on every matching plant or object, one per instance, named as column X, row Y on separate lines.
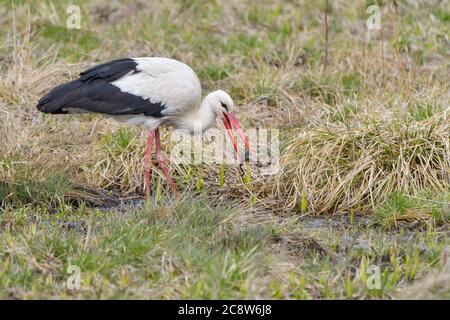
column 200, row 119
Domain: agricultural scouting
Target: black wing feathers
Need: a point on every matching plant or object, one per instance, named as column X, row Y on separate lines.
column 93, row 92
column 54, row 101
column 110, row 71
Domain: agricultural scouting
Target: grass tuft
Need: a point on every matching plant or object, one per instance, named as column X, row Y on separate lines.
column 342, row 167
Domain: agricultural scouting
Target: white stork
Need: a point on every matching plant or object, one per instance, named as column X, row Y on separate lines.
column 151, row 92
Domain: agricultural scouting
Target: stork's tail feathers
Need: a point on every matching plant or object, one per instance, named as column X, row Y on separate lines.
column 55, row 101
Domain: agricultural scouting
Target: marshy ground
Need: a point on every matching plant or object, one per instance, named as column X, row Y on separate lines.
column 362, row 195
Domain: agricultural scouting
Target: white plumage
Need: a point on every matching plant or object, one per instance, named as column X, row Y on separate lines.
column 162, row 80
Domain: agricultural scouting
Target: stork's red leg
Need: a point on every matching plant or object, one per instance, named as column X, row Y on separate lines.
column 162, row 162
column 147, row 162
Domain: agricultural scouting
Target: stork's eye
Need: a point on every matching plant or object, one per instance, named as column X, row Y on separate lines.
column 224, row 105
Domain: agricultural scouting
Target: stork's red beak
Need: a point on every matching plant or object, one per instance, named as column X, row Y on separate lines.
column 231, row 122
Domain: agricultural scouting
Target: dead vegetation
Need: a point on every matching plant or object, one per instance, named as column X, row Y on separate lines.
column 357, row 165
column 367, row 135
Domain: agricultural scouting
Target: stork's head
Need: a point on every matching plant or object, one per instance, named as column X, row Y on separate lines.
column 220, row 102
column 223, row 106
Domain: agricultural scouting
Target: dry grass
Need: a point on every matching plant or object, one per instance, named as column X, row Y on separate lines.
column 357, row 165
column 363, row 149
column 367, row 134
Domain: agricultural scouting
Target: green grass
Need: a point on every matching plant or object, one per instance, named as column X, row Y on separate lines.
column 363, row 180
column 442, row 15
column 424, row 208
column 188, row 249
column 72, row 40
column 119, row 141
column 31, row 187
column 163, row 246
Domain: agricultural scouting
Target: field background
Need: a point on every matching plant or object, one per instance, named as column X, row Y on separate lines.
column 364, row 178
